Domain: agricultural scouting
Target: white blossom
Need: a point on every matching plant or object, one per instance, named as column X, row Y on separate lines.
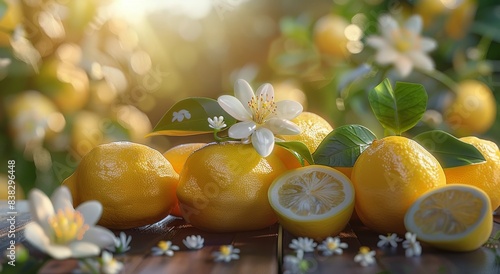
column 402, row 46
column 332, row 246
column 217, row 123
column 259, row 115
column 164, row 248
column 411, row 245
column 391, row 239
column 194, row 242
column 365, row 256
column 226, row 253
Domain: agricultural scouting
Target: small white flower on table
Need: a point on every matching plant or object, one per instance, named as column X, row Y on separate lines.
column 365, row 256
column 332, row 246
column 391, row 239
column 226, row 253
column 194, row 242
column 259, row 115
column 122, row 243
column 402, row 46
column 302, row 244
column 110, row 265
column 217, row 123
column 411, row 245
column 63, row 232
column 164, row 248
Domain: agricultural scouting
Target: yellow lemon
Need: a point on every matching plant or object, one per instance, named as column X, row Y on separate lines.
column 473, row 110
column 177, row 156
column 313, row 201
column 388, row 177
column 452, row 217
column 223, row 187
column 329, row 36
column 314, row 129
column 485, row 175
column 134, row 183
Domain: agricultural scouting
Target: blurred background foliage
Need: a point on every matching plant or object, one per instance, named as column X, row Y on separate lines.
column 78, row 73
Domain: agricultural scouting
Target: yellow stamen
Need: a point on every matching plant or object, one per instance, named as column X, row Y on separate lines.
column 164, row 245
column 67, row 225
column 405, row 40
column 364, row 250
column 225, row 250
column 262, row 107
column 332, row 245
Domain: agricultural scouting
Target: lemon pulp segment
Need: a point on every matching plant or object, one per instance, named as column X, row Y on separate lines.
column 311, row 193
column 450, row 212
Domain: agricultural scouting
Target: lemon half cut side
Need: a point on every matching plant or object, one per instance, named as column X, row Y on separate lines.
column 452, row 217
column 312, row 201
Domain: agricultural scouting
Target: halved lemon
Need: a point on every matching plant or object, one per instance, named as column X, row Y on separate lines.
column 452, row 217
column 313, row 201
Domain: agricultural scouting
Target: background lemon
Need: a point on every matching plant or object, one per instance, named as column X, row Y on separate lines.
column 388, row 177
column 223, row 188
column 134, row 183
column 329, row 36
column 177, row 156
column 486, row 175
column 452, row 217
column 314, row 129
column 473, row 109
column 314, row 201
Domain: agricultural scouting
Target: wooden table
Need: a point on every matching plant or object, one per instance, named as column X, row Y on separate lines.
column 262, row 251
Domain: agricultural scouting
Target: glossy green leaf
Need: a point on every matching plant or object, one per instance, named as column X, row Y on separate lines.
column 299, row 150
column 189, row 117
column 342, row 146
column 400, row 109
column 448, row 150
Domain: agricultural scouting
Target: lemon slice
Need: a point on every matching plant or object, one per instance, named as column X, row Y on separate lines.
column 314, row 201
column 452, row 217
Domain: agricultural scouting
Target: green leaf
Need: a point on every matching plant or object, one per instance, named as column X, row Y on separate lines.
column 342, row 146
column 400, row 109
column 189, row 117
column 298, row 149
column 448, row 150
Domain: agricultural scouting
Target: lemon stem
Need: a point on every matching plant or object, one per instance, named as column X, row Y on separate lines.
column 219, row 139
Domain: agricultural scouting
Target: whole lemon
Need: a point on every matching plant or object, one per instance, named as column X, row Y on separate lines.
column 485, row 176
column 223, row 187
column 134, row 183
column 473, row 109
column 314, row 129
column 329, row 36
column 388, row 177
column 177, row 156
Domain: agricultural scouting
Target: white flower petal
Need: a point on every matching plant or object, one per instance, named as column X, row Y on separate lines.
column 40, row 207
column 414, row 24
column 427, row 44
column 386, row 56
column 242, row 130
column 282, row 126
column 403, row 65
column 83, row 249
column 266, row 91
column 376, row 42
column 288, row 109
column 421, row 60
column 99, row 236
column 243, row 92
column 263, row 141
column 61, row 198
column 35, row 235
column 234, row 107
column 387, row 25
column 58, row 252
column 91, row 211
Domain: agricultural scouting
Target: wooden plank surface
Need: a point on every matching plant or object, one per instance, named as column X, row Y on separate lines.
column 262, row 251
